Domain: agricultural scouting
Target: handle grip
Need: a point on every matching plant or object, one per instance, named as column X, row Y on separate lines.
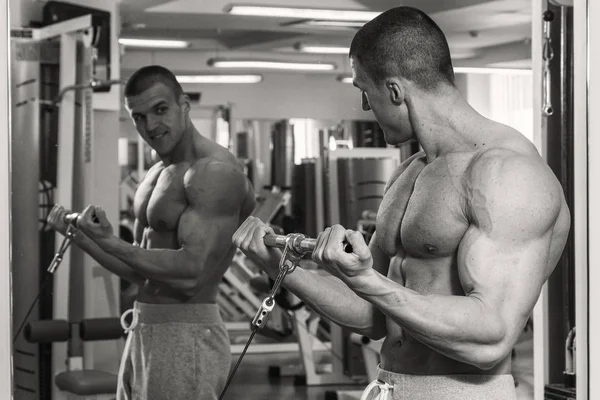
column 306, row 245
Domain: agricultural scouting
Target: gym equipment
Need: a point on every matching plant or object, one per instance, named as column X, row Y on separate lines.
column 79, row 382
column 558, row 126
column 370, row 350
column 566, row 390
column 282, row 159
column 361, row 182
column 236, row 297
column 295, row 248
column 304, row 197
column 354, row 183
column 52, row 86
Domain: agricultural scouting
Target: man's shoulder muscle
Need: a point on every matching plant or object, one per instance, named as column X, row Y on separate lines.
column 210, row 181
column 517, row 185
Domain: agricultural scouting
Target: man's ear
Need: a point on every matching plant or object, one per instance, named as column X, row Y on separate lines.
column 396, row 90
column 184, row 101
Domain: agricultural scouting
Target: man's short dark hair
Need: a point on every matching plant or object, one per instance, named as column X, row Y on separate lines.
column 147, row 76
column 406, row 42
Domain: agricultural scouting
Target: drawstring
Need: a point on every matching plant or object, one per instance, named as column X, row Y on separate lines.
column 384, row 390
column 134, row 321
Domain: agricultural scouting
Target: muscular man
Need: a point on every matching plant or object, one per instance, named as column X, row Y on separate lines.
column 187, row 208
column 466, row 235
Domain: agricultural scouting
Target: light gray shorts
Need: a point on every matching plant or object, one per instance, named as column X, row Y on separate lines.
column 175, row 352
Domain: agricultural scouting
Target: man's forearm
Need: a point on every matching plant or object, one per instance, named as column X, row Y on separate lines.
column 332, row 299
column 107, row 260
column 156, row 264
column 460, row 327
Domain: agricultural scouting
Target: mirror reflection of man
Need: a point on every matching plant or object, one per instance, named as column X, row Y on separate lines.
column 186, row 208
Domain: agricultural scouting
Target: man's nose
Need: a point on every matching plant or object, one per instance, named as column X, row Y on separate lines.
column 151, row 122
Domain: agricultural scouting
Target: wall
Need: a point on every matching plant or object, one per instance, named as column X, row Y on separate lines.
column 477, row 92
column 505, row 98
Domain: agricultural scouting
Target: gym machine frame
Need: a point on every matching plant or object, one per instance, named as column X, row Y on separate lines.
column 586, row 193
column 70, row 34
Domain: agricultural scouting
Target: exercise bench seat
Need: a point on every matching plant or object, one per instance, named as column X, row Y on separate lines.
column 87, row 382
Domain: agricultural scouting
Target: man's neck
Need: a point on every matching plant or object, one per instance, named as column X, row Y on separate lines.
column 185, row 150
column 445, row 123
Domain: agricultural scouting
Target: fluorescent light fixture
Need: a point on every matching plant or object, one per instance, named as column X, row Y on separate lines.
column 263, row 64
column 154, row 43
column 336, row 24
column 219, row 78
column 345, row 78
column 322, row 49
column 303, row 13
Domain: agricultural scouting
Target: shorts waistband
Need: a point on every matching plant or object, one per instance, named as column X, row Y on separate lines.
column 394, row 378
column 203, row 313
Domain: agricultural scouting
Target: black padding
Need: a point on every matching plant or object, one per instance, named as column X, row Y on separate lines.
column 101, row 329
column 86, row 382
column 47, row 331
column 260, row 284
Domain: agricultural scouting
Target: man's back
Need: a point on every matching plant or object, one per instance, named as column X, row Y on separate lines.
column 422, row 224
column 160, row 206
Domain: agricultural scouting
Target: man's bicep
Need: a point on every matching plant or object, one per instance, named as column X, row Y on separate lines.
column 201, row 231
column 505, row 277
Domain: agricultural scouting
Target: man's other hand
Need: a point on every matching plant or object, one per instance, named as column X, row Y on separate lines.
column 249, row 238
column 329, row 253
column 94, row 223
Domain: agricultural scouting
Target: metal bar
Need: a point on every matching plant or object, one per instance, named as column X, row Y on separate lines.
column 6, row 377
column 540, row 312
column 64, row 187
column 65, row 27
column 583, row 15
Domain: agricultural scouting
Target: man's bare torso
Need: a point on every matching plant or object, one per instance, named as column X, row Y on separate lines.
column 420, row 224
column 159, row 203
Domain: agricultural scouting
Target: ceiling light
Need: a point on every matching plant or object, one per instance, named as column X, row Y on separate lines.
column 166, row 44
column 340, row 24
column 322, row 49
column 299, row 66
column 345, row 78
column 304, row 13
column 219, row 78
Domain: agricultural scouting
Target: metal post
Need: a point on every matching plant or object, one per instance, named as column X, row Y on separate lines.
column 584, row 222
column 6, row 378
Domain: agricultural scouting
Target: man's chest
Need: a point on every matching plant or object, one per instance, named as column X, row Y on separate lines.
column 423, row 212
column 160, row 199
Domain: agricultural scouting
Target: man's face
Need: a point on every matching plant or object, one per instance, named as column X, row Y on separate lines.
column 159, row 117
column 393, row 118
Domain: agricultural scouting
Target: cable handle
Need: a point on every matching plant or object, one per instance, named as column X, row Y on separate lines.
column 298, row 242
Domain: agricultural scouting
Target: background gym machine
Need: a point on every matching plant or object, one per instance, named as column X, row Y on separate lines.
column 56, row 69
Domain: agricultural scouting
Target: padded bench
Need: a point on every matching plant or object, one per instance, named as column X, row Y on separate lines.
column 87, row 382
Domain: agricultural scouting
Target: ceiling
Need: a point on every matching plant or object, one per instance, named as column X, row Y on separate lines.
column 480, row 32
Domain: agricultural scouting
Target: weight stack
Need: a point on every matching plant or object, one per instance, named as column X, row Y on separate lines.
column 361, row 182
column 304, row 202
